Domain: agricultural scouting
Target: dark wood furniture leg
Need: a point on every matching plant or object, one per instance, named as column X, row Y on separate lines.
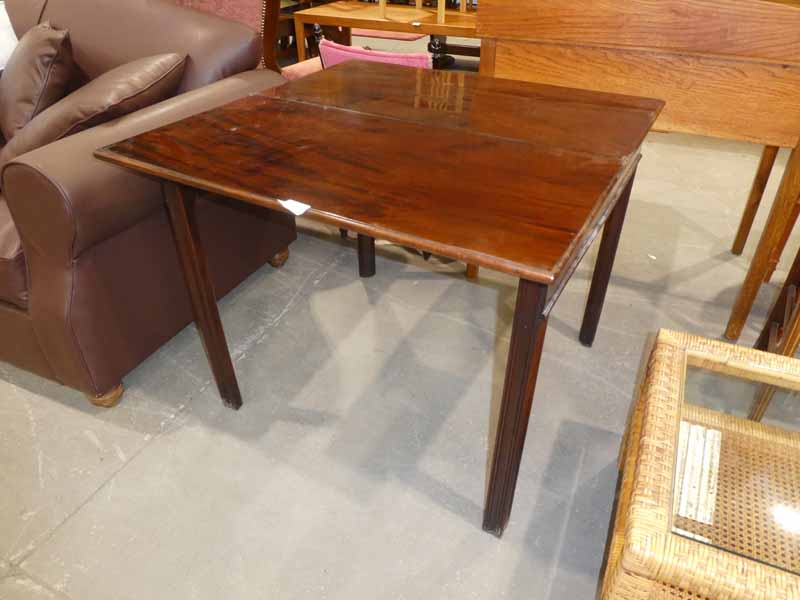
column 782, row 217
column 366, row 255
column 603, row 266
column 779, row 309
column 781, row 334
column 754, row 200
column 522, row 368
column 180, row 202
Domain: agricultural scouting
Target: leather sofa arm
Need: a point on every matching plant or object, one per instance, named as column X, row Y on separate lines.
column 64, row 201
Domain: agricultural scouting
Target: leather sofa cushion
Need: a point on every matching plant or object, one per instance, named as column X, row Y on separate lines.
column 121, row 91
column 13, row 274
column 36, row 76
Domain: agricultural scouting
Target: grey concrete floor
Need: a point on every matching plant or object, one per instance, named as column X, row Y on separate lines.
column 356, row 467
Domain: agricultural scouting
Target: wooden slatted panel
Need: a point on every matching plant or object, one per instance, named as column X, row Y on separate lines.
column 741, row 100
column 764, row 29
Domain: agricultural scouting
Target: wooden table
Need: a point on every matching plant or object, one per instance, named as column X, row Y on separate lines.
column 366, row 15
column 726, row 68
column 516, row 177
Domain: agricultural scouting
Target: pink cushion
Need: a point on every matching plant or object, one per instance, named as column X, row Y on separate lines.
column 243, row 11
column 301, row 69
column 388, row 35
column 333, row 54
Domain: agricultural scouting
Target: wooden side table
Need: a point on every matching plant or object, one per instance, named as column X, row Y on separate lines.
column 708, row 505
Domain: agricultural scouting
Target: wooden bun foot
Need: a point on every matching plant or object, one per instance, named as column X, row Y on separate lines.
column 110, row 399
column 472, row 271
column 279, row 258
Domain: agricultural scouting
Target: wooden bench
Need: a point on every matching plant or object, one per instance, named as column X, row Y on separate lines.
column 726, row 68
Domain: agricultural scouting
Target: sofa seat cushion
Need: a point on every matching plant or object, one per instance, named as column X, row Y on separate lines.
column 13, row 274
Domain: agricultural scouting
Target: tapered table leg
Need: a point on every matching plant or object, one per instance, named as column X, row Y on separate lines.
column 605, row 262
column 782, row 217
column 366, row 255
column 522, row 368
column 180, row 202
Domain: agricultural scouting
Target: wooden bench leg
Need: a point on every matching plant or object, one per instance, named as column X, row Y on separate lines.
column 779, row 309
column 782, row 217
column 754, row 200
column 781, row 334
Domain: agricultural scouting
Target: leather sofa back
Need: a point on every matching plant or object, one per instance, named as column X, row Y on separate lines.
column 108, row 33
column 24, row 14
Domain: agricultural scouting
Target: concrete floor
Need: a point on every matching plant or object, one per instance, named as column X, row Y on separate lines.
column 356, row 467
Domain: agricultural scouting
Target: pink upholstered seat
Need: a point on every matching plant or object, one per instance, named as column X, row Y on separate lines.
column 332, row 54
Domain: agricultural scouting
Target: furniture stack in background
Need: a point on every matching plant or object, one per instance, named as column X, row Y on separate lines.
column 726, row 68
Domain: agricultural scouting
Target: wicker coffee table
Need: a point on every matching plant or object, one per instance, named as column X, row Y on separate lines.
column 708, row 504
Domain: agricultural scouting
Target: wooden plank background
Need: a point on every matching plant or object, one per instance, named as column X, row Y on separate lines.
column 726, row 68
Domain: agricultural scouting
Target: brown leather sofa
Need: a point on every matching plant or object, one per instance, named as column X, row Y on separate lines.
column 90, row 283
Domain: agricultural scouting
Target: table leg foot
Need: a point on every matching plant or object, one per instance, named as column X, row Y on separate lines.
column 180, row 206
column 366, row 255
column 602, row 269
column 527, row 339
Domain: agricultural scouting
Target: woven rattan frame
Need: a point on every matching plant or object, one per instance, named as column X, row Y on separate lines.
column 646, row 561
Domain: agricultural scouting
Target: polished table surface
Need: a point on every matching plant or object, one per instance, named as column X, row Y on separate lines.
column 512, row 176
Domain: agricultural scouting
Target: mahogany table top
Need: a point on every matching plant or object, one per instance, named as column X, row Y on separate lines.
column 508, row 175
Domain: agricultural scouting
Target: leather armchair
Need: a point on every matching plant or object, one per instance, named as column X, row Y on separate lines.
column 103, row 287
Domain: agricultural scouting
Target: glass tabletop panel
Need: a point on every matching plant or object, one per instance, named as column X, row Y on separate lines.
column 734, row 490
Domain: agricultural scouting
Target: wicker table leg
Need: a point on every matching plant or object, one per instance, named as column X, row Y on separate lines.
column 522, row 368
